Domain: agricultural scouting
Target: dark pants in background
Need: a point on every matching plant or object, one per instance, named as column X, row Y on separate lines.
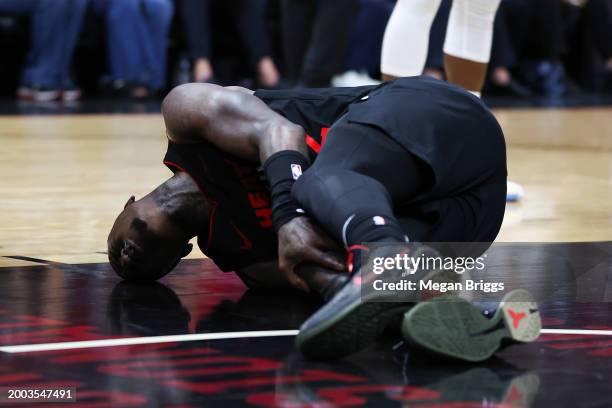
column 527, row 29
column 250, row 22
column 137, row 39
column 437, row 34
column 529, row 37
column 589, row 32
column 55, row 29
column 598, row 22
column 315, row 38
column 368, row 29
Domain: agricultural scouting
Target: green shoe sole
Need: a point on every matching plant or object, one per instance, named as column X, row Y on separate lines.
column 349, row 331
column 354, row 318
column 452, row 327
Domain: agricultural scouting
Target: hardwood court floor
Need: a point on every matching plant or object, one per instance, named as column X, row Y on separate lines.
column 64, row 178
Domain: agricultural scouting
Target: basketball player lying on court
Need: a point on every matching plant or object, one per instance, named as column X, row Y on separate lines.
column 413, row 158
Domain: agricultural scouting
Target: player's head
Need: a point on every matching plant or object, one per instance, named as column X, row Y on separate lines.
column 145, row 242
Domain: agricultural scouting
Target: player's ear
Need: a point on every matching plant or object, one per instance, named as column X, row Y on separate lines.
column 131, row 201
column 187, row 250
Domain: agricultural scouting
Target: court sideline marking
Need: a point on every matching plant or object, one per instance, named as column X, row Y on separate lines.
column 129, row 341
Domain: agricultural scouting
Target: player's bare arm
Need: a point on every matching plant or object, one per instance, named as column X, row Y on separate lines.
column 230, row 118
column 240, row 124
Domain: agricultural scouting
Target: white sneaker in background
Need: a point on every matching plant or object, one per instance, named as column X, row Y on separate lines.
column 514, row 191
column 353, row 78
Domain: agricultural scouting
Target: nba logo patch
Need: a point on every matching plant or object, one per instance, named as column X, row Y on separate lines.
column 378, row 220
column 296, row 170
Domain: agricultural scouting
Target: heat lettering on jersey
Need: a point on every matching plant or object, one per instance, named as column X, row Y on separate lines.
column 261, row 204
column 256, row 191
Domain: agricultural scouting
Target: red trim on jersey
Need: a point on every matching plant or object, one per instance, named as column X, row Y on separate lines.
column 324, row 135
column 211, row 221
column 316, row 147
column 247, row 244
column 181, row 168
column 213, row 202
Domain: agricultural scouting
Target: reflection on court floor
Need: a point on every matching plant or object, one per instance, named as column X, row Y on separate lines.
column 51, row 303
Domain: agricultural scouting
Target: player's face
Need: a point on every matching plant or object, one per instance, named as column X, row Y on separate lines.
column 144, row 244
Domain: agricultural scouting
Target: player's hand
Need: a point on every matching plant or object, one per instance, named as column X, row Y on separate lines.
column 300, row 240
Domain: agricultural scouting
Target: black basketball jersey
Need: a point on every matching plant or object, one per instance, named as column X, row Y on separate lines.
column 240, row 229
column 315, row 110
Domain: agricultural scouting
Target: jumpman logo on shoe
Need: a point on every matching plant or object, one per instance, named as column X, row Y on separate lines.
column 514, row 395
column 516, row 317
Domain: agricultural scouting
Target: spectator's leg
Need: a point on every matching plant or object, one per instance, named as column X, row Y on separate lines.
column 18, row 7
column 55, row 27
column 596, row 46
column 542, row 47
column 254, row 34
column 518, row 16
column 434, row 65
column 297, row 23
column 126, row 35
column 72, row 28
column 158, row 15
column 598, row 14
column 366, row 36
column 44, row 61
column 195, row 15
column 503, row 54
column 545, row 36
column 329, row 42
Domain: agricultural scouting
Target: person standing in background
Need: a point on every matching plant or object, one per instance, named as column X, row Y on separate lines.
column 250, row 15
column 56, row 25
column 588, row 33
column 529, row 40
column 315, row 39
column 362, row 62
column 595, row 37
column 137, row 41
column 467, row 45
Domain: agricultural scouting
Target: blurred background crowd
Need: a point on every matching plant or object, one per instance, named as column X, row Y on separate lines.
column 64, row 50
